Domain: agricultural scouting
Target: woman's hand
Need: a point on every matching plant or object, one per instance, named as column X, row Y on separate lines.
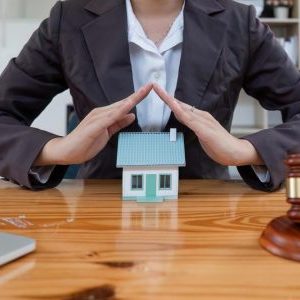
column 92, row 134
column 217, row 142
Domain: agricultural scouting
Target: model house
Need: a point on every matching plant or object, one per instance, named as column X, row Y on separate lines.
column 150, row 162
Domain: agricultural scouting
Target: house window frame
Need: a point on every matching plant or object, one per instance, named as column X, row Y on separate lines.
column 164, row 188
column 137, row 189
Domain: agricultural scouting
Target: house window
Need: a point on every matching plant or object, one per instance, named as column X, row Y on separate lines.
column 164, row 182
column 137, row 182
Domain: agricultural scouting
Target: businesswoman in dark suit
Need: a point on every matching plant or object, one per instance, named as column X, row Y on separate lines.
column 148, row 65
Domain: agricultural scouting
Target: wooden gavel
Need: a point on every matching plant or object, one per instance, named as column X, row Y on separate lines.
column 282, row 235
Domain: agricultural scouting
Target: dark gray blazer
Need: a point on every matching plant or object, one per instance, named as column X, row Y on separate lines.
column 83, row 47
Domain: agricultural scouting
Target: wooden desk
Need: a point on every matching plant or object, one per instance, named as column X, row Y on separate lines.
column 91, row 245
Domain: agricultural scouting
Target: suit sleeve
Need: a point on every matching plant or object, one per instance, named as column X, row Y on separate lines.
column 27, row 85
column 273, row 79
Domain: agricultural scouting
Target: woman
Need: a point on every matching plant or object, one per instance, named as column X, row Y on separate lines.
column 187, row 62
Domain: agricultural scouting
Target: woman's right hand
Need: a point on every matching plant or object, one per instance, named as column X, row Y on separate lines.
column 92, row 134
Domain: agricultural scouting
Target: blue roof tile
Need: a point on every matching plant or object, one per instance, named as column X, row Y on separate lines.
column 150, row 149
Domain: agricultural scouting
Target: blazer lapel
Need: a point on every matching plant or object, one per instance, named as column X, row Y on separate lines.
column 107, row 42
column 202, row 45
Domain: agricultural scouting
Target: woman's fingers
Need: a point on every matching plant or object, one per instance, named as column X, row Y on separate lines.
column 131, row 101
column 111, row 114
column 175, row 105
column 204, row 115
column 179, row 111
column 169, row 100
column 119, row 125
column 138, row 96
column 185, row 113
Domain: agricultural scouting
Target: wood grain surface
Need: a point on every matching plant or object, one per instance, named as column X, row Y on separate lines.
column 91, row 245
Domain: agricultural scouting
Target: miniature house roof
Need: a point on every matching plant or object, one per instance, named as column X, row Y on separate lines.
column 150, row 149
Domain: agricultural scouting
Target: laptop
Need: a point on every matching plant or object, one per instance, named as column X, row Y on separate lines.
column 14, row 246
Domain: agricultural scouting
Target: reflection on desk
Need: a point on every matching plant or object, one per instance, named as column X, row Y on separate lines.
column 149, row 215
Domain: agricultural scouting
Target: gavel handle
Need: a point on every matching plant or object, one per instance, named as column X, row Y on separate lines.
column 294, row 212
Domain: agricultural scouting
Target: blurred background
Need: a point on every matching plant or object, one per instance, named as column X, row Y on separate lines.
column 19, row 18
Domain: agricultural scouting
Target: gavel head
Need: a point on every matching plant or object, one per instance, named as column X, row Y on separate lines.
column 293, row 186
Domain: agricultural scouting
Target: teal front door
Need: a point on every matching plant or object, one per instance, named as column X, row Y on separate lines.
column 150, row 186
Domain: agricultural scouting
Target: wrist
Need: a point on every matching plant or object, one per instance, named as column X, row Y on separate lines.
column 247, row 154
column 51, row 154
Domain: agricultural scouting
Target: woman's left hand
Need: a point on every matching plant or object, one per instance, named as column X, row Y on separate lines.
column 216, row 141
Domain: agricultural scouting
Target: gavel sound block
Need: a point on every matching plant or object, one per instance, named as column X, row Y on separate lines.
column 282, row 235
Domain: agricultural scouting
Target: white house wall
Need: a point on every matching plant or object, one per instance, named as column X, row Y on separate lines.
column 129, row 171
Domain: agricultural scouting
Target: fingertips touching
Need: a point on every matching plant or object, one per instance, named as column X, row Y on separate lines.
column 160, row 91
column 163, row 94
column 139, row 95
column 144, row 90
